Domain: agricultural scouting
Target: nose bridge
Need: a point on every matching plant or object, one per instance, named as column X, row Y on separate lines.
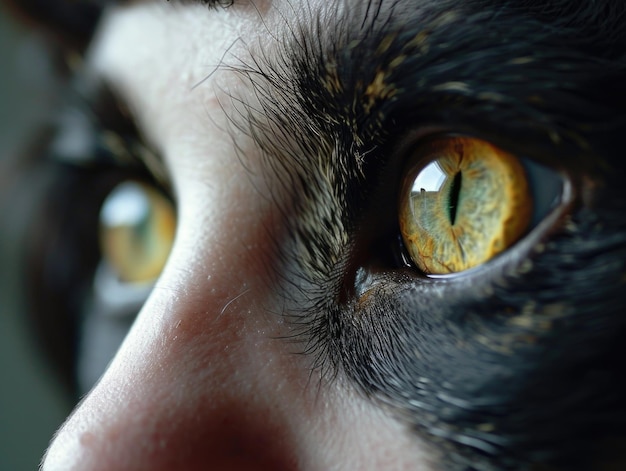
column 191, row 387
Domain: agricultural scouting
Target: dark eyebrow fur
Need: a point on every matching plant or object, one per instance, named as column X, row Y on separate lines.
column 442, row 56
column 489, row 369
column 72, row 22
column 346, row 87
column 209, row 3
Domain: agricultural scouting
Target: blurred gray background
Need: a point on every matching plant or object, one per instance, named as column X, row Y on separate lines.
column 31, row 407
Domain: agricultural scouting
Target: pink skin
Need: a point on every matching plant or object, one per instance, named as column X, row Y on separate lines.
column 201, row 382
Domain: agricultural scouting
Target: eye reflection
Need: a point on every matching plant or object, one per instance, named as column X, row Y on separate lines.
column 464, row 201
column 432, row 178
column 137, row 226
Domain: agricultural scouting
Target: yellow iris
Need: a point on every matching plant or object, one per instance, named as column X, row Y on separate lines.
column 137, row 225
column 463, row 202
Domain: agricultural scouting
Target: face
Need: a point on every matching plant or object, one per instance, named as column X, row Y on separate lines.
column 399, row 238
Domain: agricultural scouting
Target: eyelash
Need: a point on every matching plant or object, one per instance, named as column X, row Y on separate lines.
column 208, row 3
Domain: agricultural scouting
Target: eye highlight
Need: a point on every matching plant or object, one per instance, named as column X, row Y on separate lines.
column 463, row 202
column 137, row 226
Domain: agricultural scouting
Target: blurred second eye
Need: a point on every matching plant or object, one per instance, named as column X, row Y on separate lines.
column 463, row 202
column 137, row 226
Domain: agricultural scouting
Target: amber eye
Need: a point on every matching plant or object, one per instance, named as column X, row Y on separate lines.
column 464, row 201
column 137, row 225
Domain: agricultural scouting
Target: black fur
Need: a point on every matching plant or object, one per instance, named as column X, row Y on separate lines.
column 514, row 366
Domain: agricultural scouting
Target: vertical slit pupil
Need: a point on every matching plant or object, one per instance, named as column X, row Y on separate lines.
column 453, row 198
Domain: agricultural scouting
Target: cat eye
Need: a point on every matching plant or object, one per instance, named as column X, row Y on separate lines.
column 137, row 226
column 464, row 201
